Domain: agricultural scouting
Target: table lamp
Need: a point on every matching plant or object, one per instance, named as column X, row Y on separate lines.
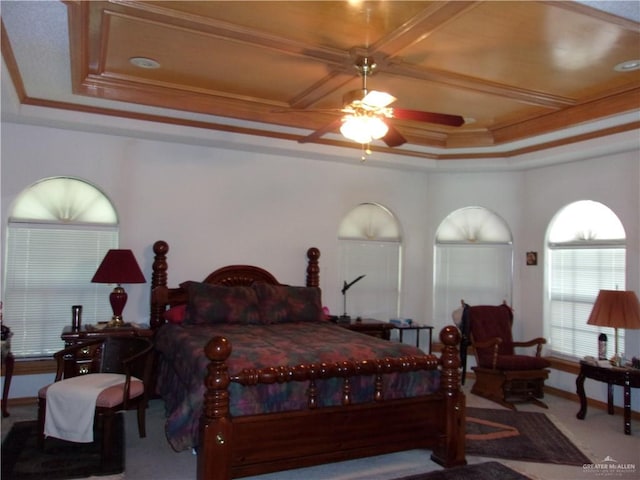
column 118, row 266
column 616, row 309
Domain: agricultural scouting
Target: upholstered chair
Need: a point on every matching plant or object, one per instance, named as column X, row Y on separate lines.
column 115, row 372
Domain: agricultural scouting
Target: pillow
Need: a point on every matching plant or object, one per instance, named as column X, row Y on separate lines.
column 210, row 304
column 176, row 314
column 282, row 303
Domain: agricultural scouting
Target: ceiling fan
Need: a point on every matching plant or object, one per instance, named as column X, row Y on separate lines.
column 367, row 114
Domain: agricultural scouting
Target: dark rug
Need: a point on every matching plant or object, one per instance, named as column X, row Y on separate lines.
column 524, row 436
column 479, row 471
column 23, row 460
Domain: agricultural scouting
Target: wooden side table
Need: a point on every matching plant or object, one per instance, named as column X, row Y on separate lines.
column 628, row 378
column 417, row 328
column 369, row 326
column 91, row 332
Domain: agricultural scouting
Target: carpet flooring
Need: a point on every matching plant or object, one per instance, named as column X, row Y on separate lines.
column 23, row 460
column 479, row 471
column 523, row 436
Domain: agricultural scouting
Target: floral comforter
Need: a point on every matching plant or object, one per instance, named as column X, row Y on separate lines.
column 182, row 368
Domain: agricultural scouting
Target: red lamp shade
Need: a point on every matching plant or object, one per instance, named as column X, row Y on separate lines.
column 118, row 266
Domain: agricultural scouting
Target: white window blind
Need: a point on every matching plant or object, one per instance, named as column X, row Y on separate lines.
column 576, row 275
column 478, row 274
column 473, row 262
column 371, row 245
column 49, row 269
column 377, row 294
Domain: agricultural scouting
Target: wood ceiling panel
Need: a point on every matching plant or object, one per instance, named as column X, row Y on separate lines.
column 196, row 61
column 531, row 45
column 335, row 24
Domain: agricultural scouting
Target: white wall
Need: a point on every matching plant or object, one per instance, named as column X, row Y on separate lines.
column 217, row 206
column 214, row 206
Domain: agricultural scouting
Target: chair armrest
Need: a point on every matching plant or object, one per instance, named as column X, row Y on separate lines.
column 141, row 355
column 128, row 365
column 490, row 342
column 538, row 342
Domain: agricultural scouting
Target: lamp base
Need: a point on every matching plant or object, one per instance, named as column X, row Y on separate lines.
column 118, row 300
column 116, row 322
column 616, row 361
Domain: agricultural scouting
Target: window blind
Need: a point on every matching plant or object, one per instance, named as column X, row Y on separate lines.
column 576, row 275
column 377, row 295
column 478, row 274
column 49, row 269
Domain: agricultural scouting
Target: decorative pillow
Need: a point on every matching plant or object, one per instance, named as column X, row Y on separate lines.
column 282, row 303
column 176, row 314
column 209, row 304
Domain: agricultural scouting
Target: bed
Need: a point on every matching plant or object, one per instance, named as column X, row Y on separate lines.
column 257, row 380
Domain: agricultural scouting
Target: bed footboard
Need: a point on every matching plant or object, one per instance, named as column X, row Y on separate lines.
column 241, row 446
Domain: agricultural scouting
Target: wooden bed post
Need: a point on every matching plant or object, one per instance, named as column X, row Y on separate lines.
column 214, row 451
column 313, row 269
column 452, row 451
column 158, row 279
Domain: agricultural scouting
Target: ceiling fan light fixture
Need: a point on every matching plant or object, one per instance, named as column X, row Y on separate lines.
column 363, row 128
column 378, row 99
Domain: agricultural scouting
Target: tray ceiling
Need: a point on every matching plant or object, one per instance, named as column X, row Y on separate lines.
column 522, row 74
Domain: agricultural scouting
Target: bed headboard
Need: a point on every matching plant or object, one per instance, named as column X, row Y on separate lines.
column 232, row 275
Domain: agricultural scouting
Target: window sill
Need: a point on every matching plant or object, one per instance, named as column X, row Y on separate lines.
column 564, row 365
column 34, row 367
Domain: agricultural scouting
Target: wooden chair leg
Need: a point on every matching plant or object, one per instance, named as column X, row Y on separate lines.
column 142, row 427
column 106, row 419
column 42, row 409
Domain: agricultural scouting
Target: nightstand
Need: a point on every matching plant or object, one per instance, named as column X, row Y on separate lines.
column 95, row 332
column 369, row 326
column 416, row 327
column 92, row 332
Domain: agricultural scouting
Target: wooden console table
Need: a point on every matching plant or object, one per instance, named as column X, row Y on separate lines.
column 628, row 378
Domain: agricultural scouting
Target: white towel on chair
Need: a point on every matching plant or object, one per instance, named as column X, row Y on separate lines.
column 71, row 405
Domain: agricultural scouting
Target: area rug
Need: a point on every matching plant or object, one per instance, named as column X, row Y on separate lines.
column 523, row 436
column 23, row 460
column 479, row 471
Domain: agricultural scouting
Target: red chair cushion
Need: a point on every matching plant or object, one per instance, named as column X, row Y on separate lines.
column 519, row 362
column 111, row 396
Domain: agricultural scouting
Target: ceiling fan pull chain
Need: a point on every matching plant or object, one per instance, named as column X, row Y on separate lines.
column 366, row 151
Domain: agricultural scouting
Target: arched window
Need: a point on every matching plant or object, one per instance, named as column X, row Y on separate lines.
column 586, row 252
column 59, row 230
column 370, row 244
column 473, row 262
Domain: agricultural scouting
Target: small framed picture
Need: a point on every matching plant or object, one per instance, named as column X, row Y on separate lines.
column 532, row 258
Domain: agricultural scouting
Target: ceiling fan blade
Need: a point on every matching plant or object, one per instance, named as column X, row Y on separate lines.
column 330, row 127
column 393, row 138
column 429, row 117
column 378, row 99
